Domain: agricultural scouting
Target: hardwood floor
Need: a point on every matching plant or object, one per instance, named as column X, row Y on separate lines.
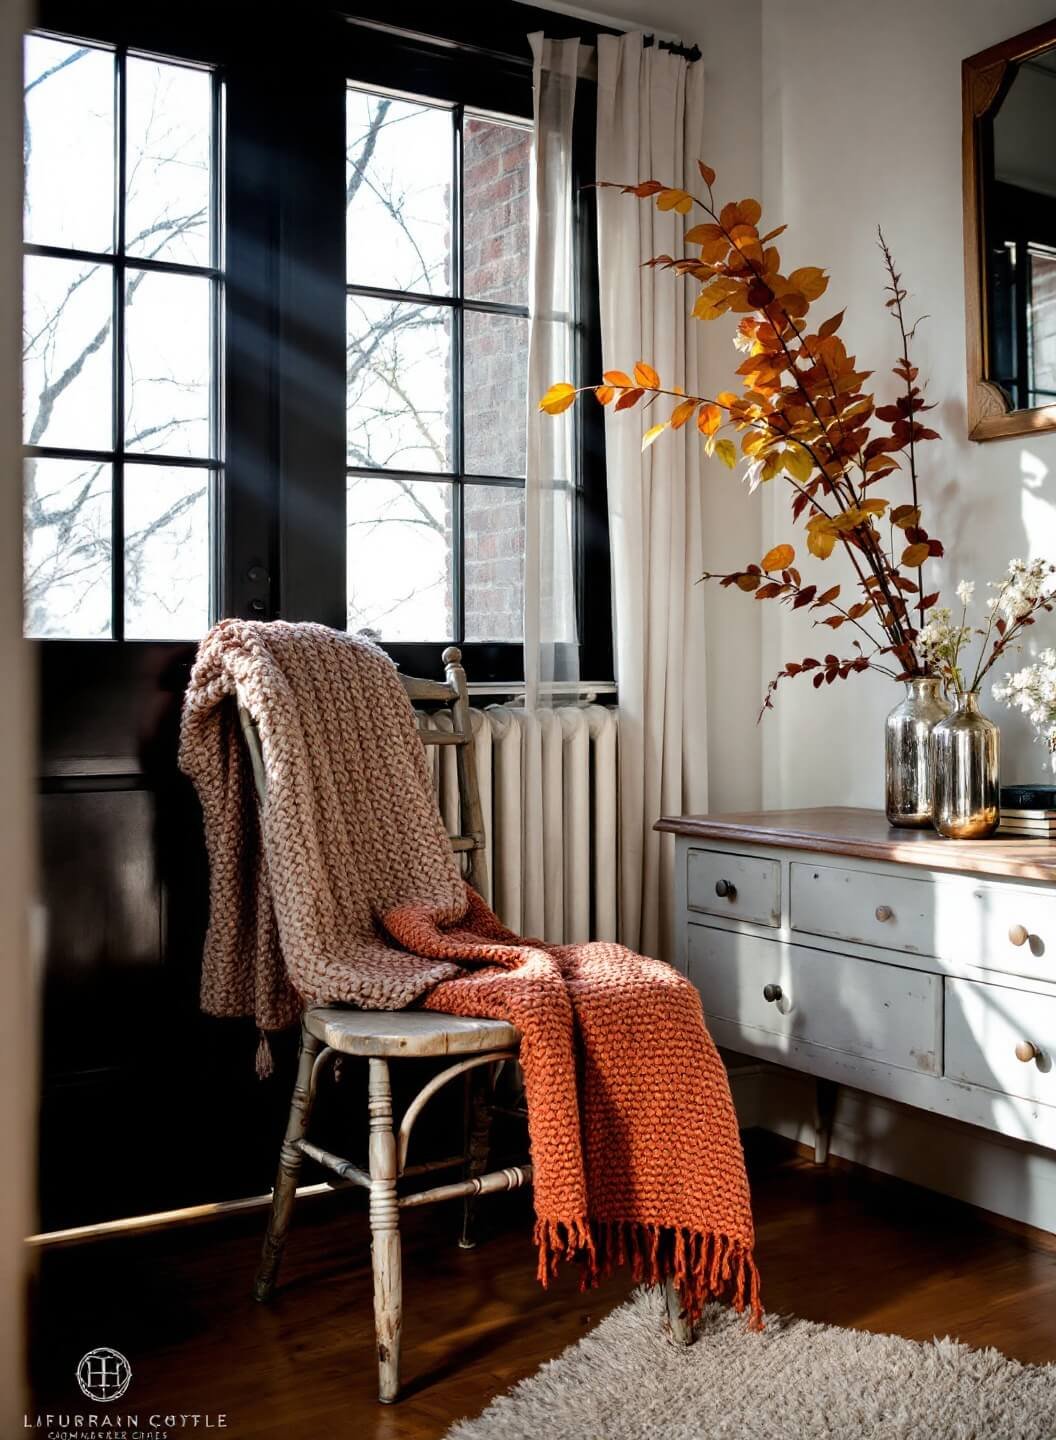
column 833, row 1245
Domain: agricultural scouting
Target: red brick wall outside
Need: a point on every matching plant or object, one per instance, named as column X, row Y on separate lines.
column 495, row 261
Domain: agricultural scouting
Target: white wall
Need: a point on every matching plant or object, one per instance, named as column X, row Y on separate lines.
column 862, row 124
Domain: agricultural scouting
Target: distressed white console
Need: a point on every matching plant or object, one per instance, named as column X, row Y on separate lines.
column 893, row 961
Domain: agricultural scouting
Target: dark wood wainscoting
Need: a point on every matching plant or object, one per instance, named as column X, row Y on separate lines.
column 146, row 1104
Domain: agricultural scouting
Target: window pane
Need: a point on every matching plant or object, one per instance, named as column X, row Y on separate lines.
column 66, row 353
column 496, row 379
column 167, row 161
column 495, row 201
column 399, row 385
column 167, row 390
column 167, row 550
column 1041, row 323
column 398, row 173
column 494, row 531
column 399, row 558
column 67, row 548
column 69, row 145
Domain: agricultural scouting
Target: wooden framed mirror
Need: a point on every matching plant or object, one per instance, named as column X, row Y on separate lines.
column 1010, row 235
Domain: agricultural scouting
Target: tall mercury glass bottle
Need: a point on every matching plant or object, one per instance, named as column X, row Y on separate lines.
column 965, row 772
column 907, row 752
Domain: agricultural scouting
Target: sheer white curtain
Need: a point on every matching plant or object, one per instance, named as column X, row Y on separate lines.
column 650, row 121
column 549, row 591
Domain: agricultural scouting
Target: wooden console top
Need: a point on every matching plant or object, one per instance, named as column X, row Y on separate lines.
column 846, row 830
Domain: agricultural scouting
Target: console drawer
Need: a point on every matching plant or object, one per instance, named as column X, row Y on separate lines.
column 892, row 911
column 1009, row 928
column 985, row 1023
column 861, row 1007
column 743, row 887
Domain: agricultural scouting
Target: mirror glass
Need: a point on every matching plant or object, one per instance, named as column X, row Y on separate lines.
column 1018, row 174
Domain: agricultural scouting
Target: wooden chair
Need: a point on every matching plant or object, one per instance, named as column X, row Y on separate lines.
column 381, row 1036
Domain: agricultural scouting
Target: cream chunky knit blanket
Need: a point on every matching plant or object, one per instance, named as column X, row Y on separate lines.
column 347, row 890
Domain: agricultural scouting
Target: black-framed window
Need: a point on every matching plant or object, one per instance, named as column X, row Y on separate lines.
column 279, row 466
column 122, row 330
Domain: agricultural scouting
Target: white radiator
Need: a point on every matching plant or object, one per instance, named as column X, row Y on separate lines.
column 548, row 789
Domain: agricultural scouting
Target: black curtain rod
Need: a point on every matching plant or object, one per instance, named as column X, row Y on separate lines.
column 501, row 36
column 687, row 52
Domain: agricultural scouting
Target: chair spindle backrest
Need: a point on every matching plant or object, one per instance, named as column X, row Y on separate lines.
column 453, row 693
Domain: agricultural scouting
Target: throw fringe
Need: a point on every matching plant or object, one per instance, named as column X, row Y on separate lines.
column 265, row 1062
column 704, row 1266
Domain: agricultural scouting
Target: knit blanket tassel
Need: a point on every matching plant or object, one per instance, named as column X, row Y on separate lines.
column 704, row 1266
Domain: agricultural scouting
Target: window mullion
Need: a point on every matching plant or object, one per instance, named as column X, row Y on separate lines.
column 458, row 384
column 117, row 476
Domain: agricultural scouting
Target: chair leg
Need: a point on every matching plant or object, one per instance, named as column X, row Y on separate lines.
column 479, row 1096
column 385, row 1233
column 681, row 1329
column 290, row 1158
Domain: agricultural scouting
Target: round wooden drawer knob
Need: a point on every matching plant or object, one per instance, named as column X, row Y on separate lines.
column 1025, row 1051
column 884, row 913
column 1019, row 934
column 771, row 994
column 725, row 889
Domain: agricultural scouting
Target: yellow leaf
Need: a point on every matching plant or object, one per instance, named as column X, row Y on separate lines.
column 821, row 543
column 708, row 307
column 798, row 463
column 677, row 200
column 646, row 376
column 617, row 377
column 652, row 433
column 727, row 452
column 779, row 558
column 914, row 555
column 681, row 413
column 874, row 507
column 559, row 397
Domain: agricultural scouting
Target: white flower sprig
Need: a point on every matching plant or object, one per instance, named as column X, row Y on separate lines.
column 1026, row 588
column 1032, row 690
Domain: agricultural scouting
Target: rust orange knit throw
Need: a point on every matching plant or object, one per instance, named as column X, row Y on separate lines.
column 354, row 895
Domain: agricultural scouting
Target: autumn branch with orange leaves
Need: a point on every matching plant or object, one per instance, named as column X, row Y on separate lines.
column 802, row 414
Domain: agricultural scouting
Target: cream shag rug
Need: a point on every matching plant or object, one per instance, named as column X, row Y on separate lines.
column 626, row 1380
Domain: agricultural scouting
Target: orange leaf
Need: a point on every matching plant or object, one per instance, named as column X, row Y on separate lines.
column 681, row 413
column 697, row 234
column 779, row 558
column 628, row 398
column 559, row 397
column 914, row 555
column 809, row 281
column 617, row 377
column 707, row 172
column 646, row 376
column 709, row 419
column 603, row 393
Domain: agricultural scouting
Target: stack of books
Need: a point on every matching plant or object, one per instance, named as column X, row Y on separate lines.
column 1029, row 811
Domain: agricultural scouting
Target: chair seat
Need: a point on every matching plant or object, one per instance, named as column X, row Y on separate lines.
column 407, row 1032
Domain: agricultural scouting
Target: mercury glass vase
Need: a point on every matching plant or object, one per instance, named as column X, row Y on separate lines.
column 907, row 752
column 965, row 778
